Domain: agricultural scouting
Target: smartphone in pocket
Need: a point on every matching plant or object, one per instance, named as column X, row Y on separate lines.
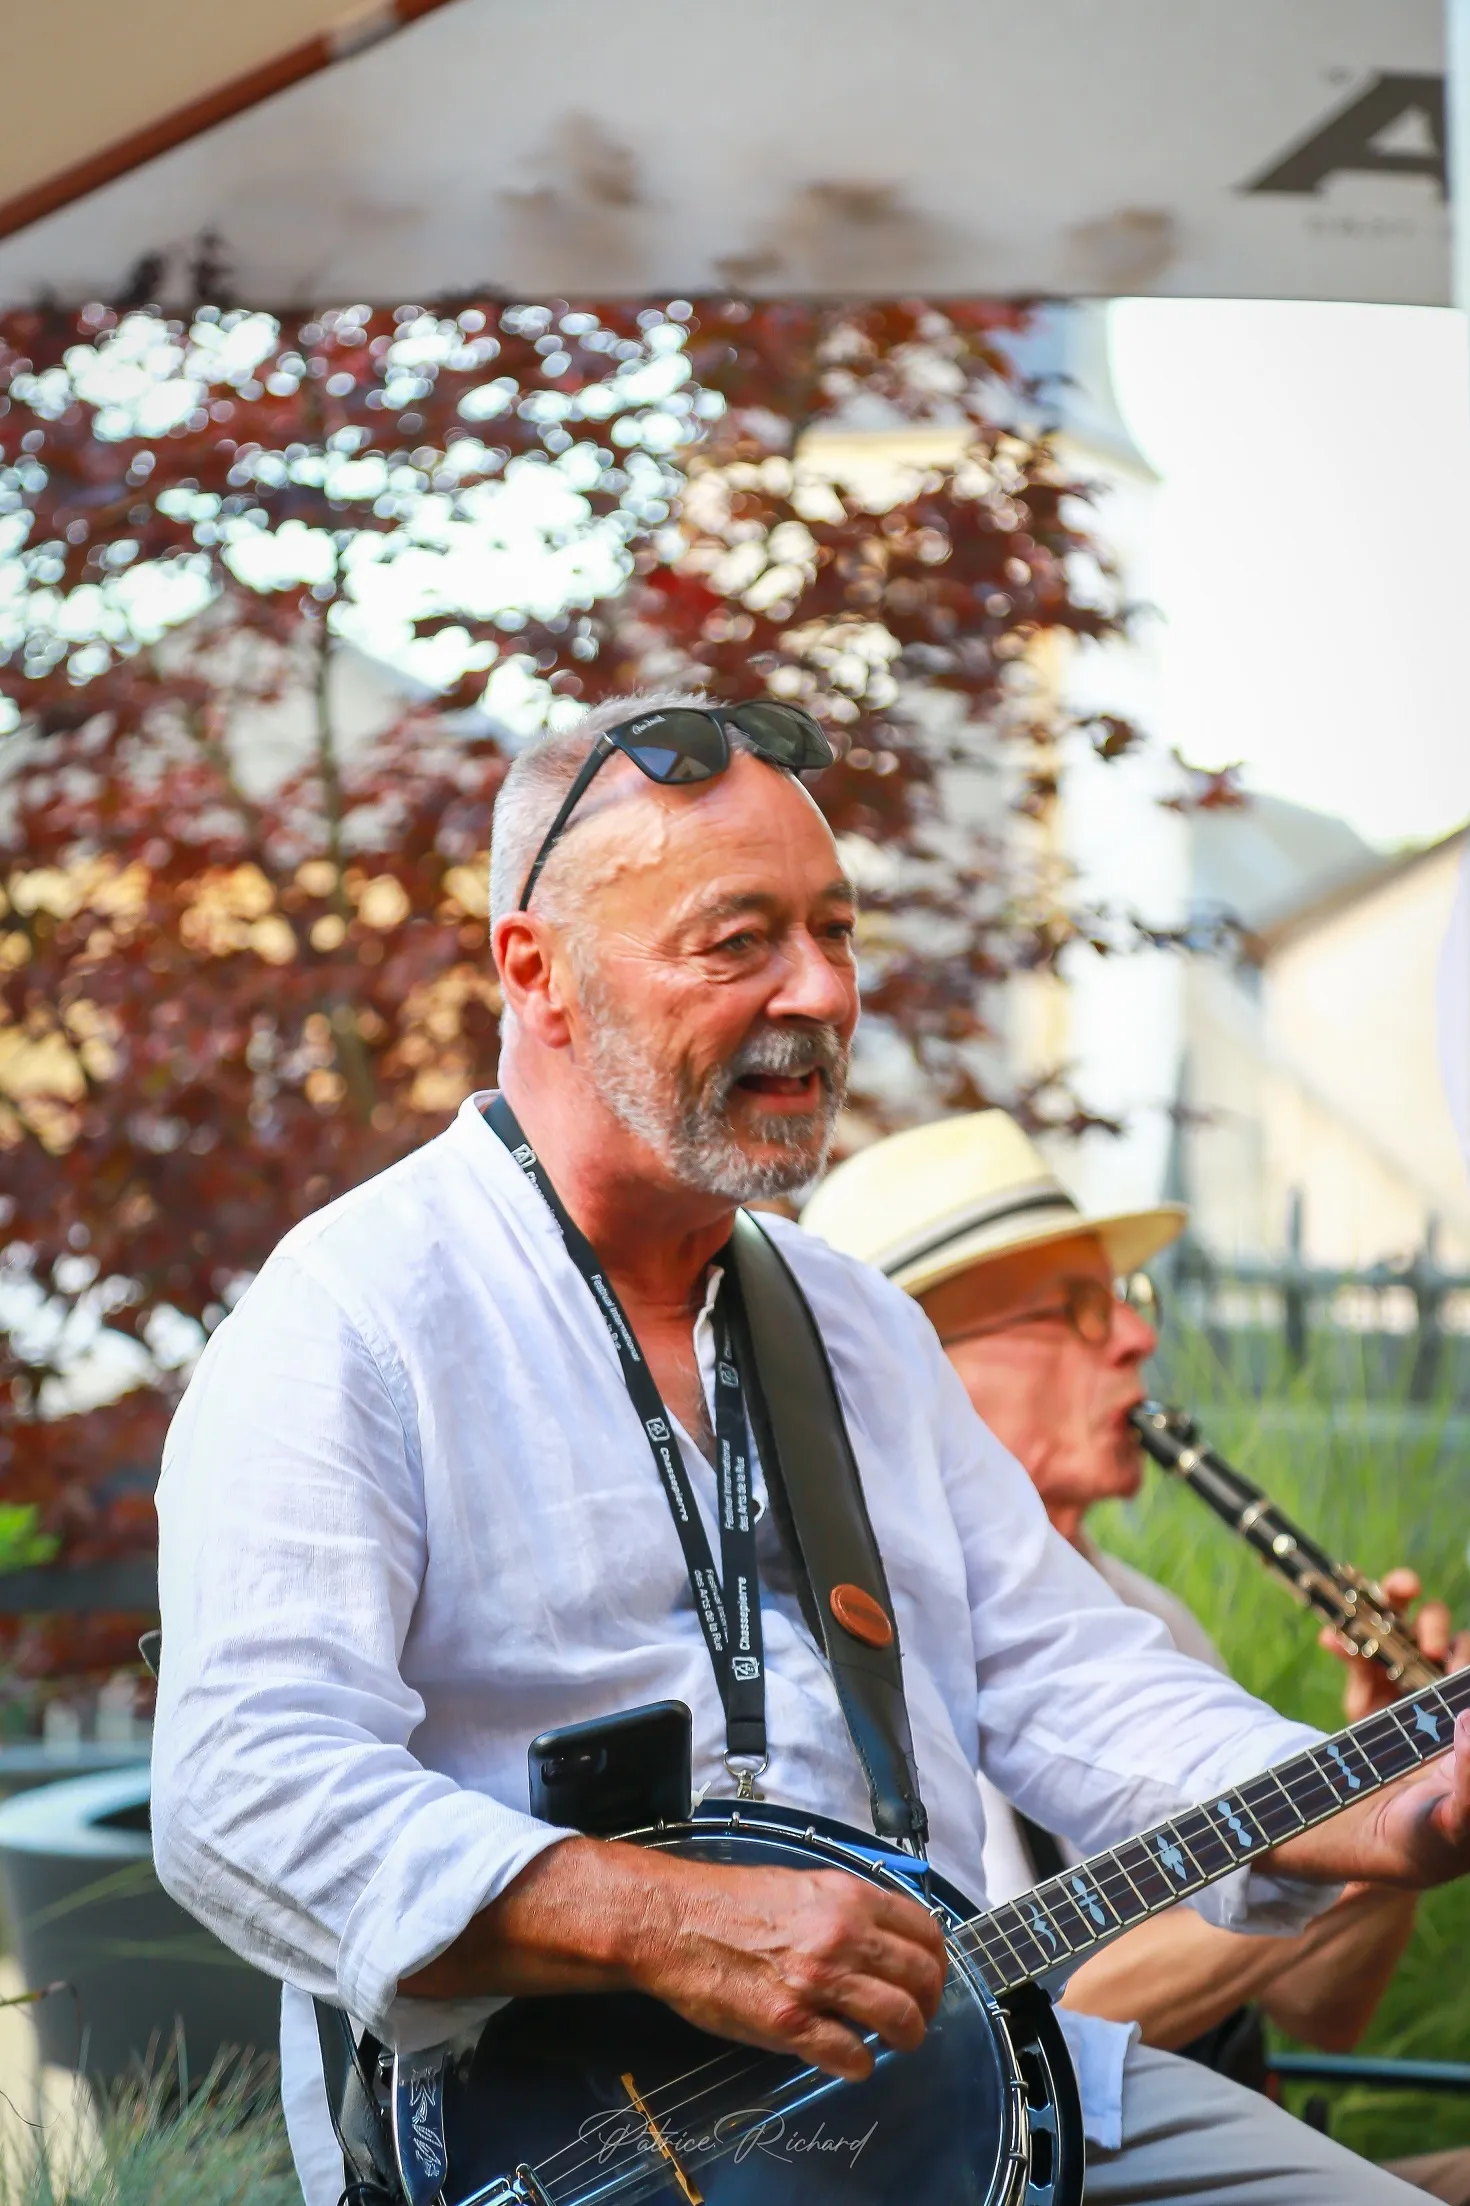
column 616, row 1773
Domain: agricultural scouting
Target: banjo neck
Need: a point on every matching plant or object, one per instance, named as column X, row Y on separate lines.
column 1068, row 1917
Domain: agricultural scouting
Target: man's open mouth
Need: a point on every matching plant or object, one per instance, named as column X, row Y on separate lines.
column 783, row 1087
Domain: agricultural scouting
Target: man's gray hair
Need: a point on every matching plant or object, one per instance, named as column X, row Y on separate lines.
column 532, row 792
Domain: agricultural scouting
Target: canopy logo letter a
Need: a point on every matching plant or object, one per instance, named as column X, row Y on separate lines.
column 1394, row 127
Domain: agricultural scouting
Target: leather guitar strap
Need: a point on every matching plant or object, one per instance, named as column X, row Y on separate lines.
column 816, row 1492
column 367, row 2155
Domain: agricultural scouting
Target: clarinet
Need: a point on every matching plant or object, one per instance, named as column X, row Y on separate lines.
column 1357, row 1609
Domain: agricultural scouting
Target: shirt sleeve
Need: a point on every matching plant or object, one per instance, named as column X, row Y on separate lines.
column 289, row 1814
column 1090, row 1720
column 1136, row 1591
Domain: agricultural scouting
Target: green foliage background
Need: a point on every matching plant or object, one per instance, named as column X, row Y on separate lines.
column 226, row 2147
column 1377, row 1480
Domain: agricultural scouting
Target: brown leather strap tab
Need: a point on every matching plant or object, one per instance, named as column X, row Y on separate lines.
column 857, row 1612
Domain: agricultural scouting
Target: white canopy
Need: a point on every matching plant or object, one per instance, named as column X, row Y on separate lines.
column 784, row 146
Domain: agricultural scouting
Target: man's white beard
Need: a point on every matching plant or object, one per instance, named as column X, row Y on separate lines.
column 690, row 1131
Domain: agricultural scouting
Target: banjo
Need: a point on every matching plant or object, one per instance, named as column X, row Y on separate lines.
column 612, row 2100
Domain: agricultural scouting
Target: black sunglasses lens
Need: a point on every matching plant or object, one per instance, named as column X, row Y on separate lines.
column 674, row 746
column 784, row 733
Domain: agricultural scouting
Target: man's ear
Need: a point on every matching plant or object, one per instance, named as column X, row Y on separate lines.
column 531, row 977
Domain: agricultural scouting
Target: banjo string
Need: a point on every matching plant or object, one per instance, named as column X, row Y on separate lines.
column 653, row 2099
column 635, row 2152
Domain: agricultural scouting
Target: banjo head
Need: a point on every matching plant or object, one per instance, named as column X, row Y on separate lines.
column 614, row 2099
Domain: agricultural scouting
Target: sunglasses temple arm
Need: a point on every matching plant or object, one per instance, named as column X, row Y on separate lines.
column 600, row 752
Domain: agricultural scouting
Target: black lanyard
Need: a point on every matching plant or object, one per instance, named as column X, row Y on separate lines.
column 728, row 1606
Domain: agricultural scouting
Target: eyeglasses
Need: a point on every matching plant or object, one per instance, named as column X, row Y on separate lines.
column 1141, row 1293
column 1088, row 1305
column 687, row 743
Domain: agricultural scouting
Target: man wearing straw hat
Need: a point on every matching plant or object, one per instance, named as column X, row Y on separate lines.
column 1044, row 1313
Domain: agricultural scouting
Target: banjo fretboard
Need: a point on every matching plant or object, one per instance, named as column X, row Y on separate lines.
column 1070, row 1915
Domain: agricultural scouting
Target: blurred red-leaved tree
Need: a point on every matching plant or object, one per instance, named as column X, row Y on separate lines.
column 243, row 932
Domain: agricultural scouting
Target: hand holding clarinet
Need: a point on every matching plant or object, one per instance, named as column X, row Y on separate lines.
column 1368, row 1626
column 1368, row 1684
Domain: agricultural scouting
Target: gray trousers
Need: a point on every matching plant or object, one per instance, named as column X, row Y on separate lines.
column 1189, row 2135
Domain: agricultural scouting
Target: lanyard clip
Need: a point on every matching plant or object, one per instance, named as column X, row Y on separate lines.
column 745, row 1768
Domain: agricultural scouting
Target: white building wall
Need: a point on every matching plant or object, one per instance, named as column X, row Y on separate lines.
column 1318, row 1077
column 1352, row 996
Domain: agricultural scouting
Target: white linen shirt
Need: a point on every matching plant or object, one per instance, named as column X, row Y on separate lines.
column 408, row 1519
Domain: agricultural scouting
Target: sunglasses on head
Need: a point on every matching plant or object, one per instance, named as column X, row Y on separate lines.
column 688, row 743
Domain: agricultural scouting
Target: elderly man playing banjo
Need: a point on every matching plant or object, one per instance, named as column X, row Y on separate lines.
column 411, row 1516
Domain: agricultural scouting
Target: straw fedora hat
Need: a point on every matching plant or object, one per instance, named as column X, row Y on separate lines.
column 931, row 1202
